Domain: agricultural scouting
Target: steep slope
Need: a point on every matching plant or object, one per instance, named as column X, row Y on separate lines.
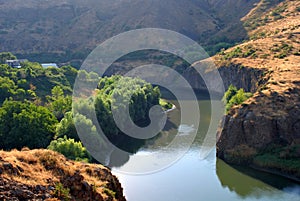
column 47, row 175
column 264, row 132
column 67, row 30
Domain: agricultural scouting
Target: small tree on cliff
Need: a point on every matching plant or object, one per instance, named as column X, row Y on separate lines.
column 235, row 97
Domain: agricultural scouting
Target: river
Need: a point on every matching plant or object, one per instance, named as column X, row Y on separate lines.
column 192, row 179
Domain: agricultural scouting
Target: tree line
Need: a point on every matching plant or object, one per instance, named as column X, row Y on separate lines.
column 36, row 106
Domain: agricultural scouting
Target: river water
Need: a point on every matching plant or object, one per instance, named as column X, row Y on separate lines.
column 192, row 179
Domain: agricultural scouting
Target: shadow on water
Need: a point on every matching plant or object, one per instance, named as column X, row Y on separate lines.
column 248, row 182
column 128, row 146
column 125, row 145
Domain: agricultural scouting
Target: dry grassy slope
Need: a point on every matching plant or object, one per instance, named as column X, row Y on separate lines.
column 37, row 174
column 59, row 26
column 272, row 115
column 274, row 47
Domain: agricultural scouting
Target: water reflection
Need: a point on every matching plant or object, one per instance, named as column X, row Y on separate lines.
column 193, row 179
column 247, row 182
column 129, row 145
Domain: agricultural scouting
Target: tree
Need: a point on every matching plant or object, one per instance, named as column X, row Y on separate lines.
column 70, row 148
column 6, row 56
column 66, row 127
column 113, row 93
column 59, row 104
column 140, row 95
column 231, row 91
column 7, row 88
column 235, row 97
column 25, row 124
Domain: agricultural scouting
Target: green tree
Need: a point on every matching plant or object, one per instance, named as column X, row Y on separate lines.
column 70, row 148
column 25, row 124
column 140, row 95
column 6, row 56
column 231, row 91
column 66, row 127
column 59, row 104
column 7, row 88
column 235, row 97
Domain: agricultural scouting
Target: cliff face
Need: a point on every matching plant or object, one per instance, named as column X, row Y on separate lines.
column 264, row 131
column 264, row 119
column 240, row 76
column 47, row 175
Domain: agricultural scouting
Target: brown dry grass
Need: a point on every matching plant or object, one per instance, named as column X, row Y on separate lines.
column 278, row 51
column 46, row 167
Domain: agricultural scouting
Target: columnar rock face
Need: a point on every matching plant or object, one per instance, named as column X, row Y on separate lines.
column 240, row 76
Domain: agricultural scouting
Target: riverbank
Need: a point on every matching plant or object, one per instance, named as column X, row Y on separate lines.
column 275, row 172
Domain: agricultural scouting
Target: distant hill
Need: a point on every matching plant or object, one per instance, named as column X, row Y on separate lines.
column 66, row 30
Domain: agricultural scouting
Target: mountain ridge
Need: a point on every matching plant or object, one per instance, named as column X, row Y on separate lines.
column 73, row 28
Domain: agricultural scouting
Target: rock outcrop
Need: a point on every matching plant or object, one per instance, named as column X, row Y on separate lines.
column 247, row 78
column 264, row 131
column 47, row 175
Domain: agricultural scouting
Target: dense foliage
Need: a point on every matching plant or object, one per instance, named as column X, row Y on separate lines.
column 140, row 95
column 59, row 103
column 233, row 96
column 36, row 107
column 66, row 127
column 6, row 56
column 33, row 82
column 25, row 124
column 70, row 148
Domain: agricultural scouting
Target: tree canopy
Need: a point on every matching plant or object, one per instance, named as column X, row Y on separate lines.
column 6, row 56
column 25, row 124
column 140, row 95
column 70, row 148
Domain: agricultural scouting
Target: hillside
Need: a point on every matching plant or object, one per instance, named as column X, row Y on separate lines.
column 66, row 31
column 47, row 175
column 264, row 131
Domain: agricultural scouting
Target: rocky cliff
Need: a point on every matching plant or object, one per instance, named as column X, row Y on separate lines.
column 264, row 131
column 247, row 78
column 47, row 175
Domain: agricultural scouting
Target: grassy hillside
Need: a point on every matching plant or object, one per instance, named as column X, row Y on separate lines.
column 65, row 31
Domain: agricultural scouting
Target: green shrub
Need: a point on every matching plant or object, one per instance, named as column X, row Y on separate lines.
column 70, row 148
column 66, row 127
column 165, row 104
column 235, row 97
column 109, row 192
column 62, row 192
column 6, row 56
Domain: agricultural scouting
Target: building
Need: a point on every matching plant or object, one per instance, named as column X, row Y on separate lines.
column 16, row 63
column 47, row 65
